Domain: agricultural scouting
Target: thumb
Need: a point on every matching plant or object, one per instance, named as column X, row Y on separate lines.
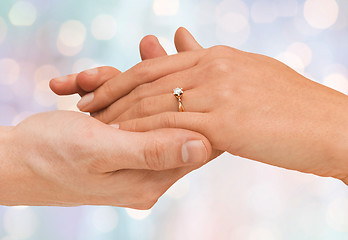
column 184, row 41
column 159, row 149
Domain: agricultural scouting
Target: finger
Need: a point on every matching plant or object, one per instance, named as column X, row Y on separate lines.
column 150, row 48
column 184, row 41
column 83, row 82
column 164, row 85
column 66, row 85
column 89, row 80
column 143, row 72
column 192, row 101
column 185, row 120
column 154, row 150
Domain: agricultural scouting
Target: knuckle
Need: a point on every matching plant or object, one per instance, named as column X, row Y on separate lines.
column 108, row 90
column 219, row 50
column 219, row 66
column 103, row 115
column 154, row 155
column 142, row 70
column 168, row 120
column 143, row 107
column 138, row 92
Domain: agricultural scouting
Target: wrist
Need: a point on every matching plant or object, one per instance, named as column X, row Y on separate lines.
column 12, row 173
column 339, row 146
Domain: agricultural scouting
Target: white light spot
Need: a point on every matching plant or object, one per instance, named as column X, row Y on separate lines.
column 337, row 81
column 72, row 33
column 292, row 60
column 3, row 29
column 301, row 50
column 68, row 51
column 9, row 71
column 22, row 13
column 46, row 73
column 337, row 214
column 233, row 29
column 20, row 223
column 179, row 189
column 166, row 7
column 263, row 11
column 233, row 22
column 138, row 214
column 105, row 219
column 104, row 27
column 321, row 14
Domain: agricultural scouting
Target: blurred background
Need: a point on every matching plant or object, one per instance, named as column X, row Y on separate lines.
column 231, row 197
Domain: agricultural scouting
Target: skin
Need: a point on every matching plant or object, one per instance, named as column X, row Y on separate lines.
column 247, row 104
column 66, row 158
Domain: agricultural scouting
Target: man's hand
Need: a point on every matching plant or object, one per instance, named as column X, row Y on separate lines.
column 67, row 159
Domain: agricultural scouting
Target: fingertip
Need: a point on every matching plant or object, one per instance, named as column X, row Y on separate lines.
column 89, row 80
column 184, row 40
column 150, row 47
column 64, row 85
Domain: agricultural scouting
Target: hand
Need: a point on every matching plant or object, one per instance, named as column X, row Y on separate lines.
column 69, row 159
column 247, row 104
column 91, row 79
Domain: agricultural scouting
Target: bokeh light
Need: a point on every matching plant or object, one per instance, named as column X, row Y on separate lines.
column 9, row 71
column 138, row 214
column 72, row 35
column 232, row 23
column 166, row 7
column 104, row 27
column 321, row 14
column 20, row 222
column 337, row 81
column 22, row 13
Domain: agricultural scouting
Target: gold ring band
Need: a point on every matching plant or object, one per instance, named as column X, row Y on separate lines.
column 178, row 92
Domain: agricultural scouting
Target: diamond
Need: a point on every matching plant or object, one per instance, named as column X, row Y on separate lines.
column 178, row 92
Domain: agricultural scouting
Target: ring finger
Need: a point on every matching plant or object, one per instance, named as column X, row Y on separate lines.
column 159, row 87
column 191, row 100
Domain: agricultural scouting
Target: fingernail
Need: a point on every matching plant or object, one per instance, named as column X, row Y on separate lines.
column 85, row 100
column 115, row 125
column 91, row 72
column 194, row 152
column 61, row 79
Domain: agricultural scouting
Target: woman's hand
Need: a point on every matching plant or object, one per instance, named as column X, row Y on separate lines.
column 69, row 159
column 247, row 104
